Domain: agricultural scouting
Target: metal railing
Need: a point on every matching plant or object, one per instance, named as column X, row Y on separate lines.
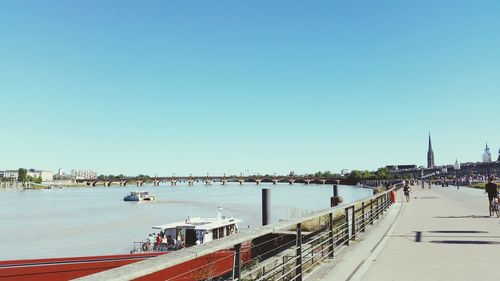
column 281, row 251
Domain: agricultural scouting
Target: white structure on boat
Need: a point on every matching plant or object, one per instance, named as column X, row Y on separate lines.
column 190, row 232
column 139, row 196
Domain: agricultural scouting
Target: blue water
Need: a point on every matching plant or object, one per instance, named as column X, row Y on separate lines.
column 96, row 221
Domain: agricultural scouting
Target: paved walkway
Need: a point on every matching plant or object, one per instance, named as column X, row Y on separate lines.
column 441, row 234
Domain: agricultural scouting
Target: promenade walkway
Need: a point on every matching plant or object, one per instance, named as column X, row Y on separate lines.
column 441, row 234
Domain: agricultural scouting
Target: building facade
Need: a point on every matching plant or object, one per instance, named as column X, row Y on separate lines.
column 84, row 174
column 10, row 174
column 44, row 175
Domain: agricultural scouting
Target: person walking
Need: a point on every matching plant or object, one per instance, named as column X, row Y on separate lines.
column 406, row 191
column 492, row 189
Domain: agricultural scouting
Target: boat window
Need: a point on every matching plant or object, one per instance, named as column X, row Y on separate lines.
column 171, row 232
column 215, row 234
column 190, row 237
column 221, row 232
column 181, row 234
column 200, row 235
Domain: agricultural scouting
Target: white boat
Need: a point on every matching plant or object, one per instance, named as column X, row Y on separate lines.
column 139, row 196
column 190, row 232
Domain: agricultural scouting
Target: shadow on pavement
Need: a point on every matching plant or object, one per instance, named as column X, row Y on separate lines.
column 457, row 231
column 464, row 242
column 462, row 217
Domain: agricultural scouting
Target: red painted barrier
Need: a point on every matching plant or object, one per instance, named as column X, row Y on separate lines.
column 62, row 269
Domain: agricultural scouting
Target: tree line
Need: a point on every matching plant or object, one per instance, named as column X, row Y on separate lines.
column 24, row 177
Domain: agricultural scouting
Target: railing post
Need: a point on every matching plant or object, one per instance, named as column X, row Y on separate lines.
column 332, row 247
column 363, row 216
column 387, row 200
column 371, row 211
column 382, row 199
column 237, row 262
column 346, row 231
column 378, row 207
column 298, row 254
column 283, row 267
column 353, row 222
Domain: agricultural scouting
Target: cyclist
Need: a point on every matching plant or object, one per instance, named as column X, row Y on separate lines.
column 406, row 191
column 492, row 189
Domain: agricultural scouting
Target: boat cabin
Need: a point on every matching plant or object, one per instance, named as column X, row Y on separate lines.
column 192, row 231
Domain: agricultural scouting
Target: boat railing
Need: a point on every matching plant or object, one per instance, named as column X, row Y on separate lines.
column 147, row 247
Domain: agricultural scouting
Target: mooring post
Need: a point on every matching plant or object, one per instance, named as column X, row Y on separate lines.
column 265, row 206
column 336, row 199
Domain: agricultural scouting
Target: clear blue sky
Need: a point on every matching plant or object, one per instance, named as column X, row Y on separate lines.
column 227, row 86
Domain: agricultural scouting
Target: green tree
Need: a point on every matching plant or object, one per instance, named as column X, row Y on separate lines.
column 325, row 174
column 22, row 175
column 383, row 173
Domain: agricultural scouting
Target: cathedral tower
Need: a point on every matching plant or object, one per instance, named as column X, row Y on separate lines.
column 430, row 155
column 487, row 154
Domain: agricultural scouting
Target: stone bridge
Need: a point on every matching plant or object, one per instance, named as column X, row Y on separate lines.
column 208, row 180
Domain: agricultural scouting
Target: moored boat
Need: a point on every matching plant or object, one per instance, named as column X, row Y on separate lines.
column 189, row 232
column 139, row 196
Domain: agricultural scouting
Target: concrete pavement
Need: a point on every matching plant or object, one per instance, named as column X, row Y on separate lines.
column 441, row 234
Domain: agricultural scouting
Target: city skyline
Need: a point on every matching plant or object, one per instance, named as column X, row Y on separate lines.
column 227, row 86
column 486, row 157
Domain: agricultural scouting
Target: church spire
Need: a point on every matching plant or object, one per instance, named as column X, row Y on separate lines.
column 487, row 154
column 430, row 154
column 430, row 143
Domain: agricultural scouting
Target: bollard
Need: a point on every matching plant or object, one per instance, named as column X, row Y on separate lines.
column 265, row 206
column 393, row 196
column 335, row 199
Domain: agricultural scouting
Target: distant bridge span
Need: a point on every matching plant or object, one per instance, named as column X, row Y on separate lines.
column 190, row 180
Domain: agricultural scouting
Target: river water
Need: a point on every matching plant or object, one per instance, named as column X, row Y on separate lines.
column 96, row 221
